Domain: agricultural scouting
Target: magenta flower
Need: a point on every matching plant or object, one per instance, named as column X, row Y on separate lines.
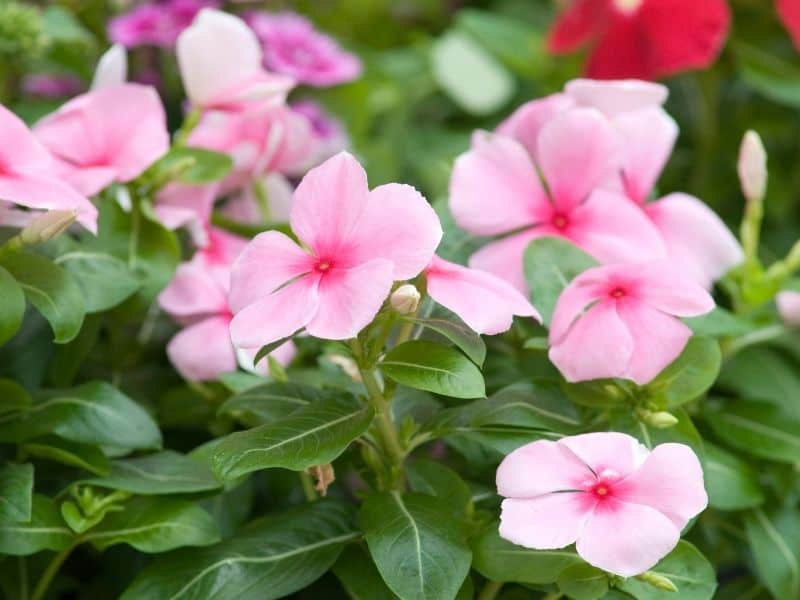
column 155, row 24
column 52, row 87
column 487, row 304
column 789, row 307
column 359, row 242
column 27, row 176
column 619, row 321
column 95, row 147
column 220, row 63
column 292, row 46
column 495, row 189
column 622, row 505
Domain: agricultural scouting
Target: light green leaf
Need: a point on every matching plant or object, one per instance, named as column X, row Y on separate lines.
column 583, row 582
column 16, row 491
column 191, row 166
column 688, row 376
column 44, row 531
column 105, row 280
column 774, row 540
column 12, row 306
column 469, row 342
column 83, row 456
column 687, row 568
column 731, row 483
column 265, row 403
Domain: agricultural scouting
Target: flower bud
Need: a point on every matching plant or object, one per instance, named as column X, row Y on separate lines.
column 659, row 419
column 348, row 365
column 752, row 167
column 48, row 226
column 789, row 307
column 657, row 581
column 405, row 299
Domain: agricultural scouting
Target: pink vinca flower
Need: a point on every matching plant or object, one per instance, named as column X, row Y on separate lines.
column 359, row 242
column 197, row 298
column 495, row 190
column 182, row 205
column 155, row 24
column 622, row 505
column 619, row 321
column 293, row 46
column 487, row 304
column 328, row 132
column 220, row 63
column 95, row 147
column 789, row 307
column 27, row 179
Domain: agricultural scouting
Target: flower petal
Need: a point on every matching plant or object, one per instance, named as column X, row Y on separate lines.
column 45, row 193
column 666, row 287
column 526, row 122
column 203, row 351
column 112, row 68
column 622, row 51
column 607, row 450
column 539, row 468
column 617, row 97
column 547, row 522
column 503, row 258
column 585, row 289
column 577, row 24
column 789, row 307
column 193, row 292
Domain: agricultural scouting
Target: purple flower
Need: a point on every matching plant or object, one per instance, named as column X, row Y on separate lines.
column 46, row 85
column 156, row 23
column 292, row 46
column 329, row 133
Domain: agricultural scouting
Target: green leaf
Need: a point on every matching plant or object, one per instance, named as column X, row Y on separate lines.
column 469, row 342
column 12, row 306
column 416, row 545
column 265, row 351
column 583, row 582
column 688, row 376
column 731, row 483
column 51, row 290
column 435, row 479
column 359, row 576
column 166, row 472
column 774, row 540
column 82, row 456
column 152, row 524
column 16, row 491
column 719, row 323
column 768, row 74
column 195, row 166
column 550, row 264
column 94, row 413
column 597, row 393
column 757, row 428
column 270, row 401
column 434, row 368
column 683, row 432
column 762, row 373
column 312, row 435
column 469, row 75
column 500, row 560
column 44, row 531
column 104, row 280
column 687, row 568
column 13, row 396
column 271, row 558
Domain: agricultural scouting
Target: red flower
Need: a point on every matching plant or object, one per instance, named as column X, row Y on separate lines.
column 642, row 39
column 789, row 14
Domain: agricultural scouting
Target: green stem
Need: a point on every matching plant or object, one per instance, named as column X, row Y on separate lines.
column 262, row 199
column 51, row 571
column 136, row 226
column 308, row 486
column 750, row 234
column 490, row 590
column 189, row 123
column 783, row 269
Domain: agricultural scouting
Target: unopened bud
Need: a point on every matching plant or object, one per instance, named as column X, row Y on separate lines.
column 789, row 307
column 50, row 225
column 752, row 167
column 348, row 365
column 324, row 476
column 405, row 299
column 659, row 419
column 657, row 581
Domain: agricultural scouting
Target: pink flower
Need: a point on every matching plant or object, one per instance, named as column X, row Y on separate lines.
column 359, row 242
column 197, row 298
column 45, row 85
column 328, row 132
column 181, row 205
column 495, row 190
column 220, row 63
column 619, row 321
column 487, row 304
column 789, row 14
column 622, row 505
column 245, row 207
column 155, row 24
column 616, row 97
column 95, row 147
column 27, row 175
column 292, row 46
column 789, row 307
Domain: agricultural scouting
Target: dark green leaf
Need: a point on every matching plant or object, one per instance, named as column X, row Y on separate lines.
column 428, row 366
column 191, row 165
column 469, row 342
column 13, row 396
column 16, row 490
column 83, row 456
column 105, row 280
column 359, row 576
column 416, row 545
column 45, row 531
column 687, row 568
column 763, row 373
column 688, row 376
column 12, row 306
column 769, row 75
column 583, row 582
column 435, row 479
column 731, row 483
column 270, row 401
column 774, row 540
column 265, row 351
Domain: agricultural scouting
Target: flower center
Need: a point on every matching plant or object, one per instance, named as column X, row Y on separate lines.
column 617, row 293
column 323, row 266
column 627, row 6
column 560, row 221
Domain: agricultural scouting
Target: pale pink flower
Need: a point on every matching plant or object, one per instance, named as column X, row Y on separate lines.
column 197, row 298
column 220, row 63
column 293, row 46
column 616, row 96
column 495, row 190
column 156, row 23
column 245, row 207
column 487, row 304
column 27, row 177
column 359, row 242
column 620, row 321
column 622, row 505
column 789, row 307
column 95, row 147
column 182, row 205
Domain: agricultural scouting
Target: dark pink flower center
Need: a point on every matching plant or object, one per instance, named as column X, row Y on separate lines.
column 617, row 293
column 323, row 265
column 601, row 487
column 560, row 221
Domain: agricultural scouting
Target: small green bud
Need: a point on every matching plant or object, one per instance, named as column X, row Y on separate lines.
column 46, row 227
column 659, row 419
column 657, row 581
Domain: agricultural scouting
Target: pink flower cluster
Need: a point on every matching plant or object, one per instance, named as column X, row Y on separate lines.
column 155, row 23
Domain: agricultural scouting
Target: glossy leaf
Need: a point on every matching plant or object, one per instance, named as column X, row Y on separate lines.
column 687, row 568
column 731, row 483
column 44, row 531
column 16, row 491
column 265, row 403
column 83, row 456
column 13, row 396
column 469, row 342
column 583, row 582
column 435, row 479
column 359, row 576
column 104, row 280
column 689, row 376
column 774, row 540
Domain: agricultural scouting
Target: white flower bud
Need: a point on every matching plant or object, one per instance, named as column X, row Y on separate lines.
column 48, row 226
column 752, row 167
column 405, row 299
column 789, row 307
column 348, row 365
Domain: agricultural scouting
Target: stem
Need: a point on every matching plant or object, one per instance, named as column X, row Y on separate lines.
column 262, row 199
column 308, row 486
column 136, row 225
column 23, row 578
column 758, row 336
column 750, row 233
column 189, row 123
column 784, row 268
column 490, row 590
column 51, row 571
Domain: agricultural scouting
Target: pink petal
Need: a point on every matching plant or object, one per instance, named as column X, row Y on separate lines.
column 45, row 193
column 503, row 258
column 20, row 149
column 648, row 138
column 494, row 187
column 666, row 287
column 658, row 340
column 328, row 204
column 547, row 522
column 607, row 450
column 539, row 468
column 398, row 225
column 277, row 315
column 269, row 261
column 193, row 292
column 525, row 123
column 626, row 539
column 586, row 288
column 613, row 98
column 203, row 351
column 487, row 304
column 178, row 205
column 613, row 229
column 670, row 480
column 697, row 240
column 350, row 298
column 579, row 141
column 111, row 69
column 597, row 346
